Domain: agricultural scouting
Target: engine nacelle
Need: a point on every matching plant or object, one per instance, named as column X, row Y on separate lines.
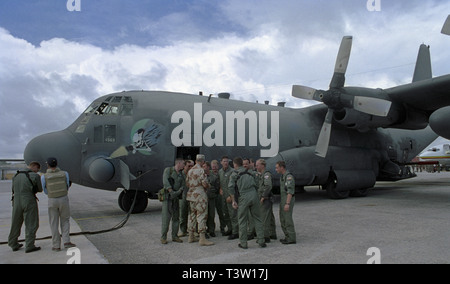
column 363, row 122
column 439, row 122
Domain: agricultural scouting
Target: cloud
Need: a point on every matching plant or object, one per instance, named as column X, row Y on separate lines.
column 46, row 87
column 267, row 47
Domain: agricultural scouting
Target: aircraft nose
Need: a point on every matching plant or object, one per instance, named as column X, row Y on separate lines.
column 61, row 144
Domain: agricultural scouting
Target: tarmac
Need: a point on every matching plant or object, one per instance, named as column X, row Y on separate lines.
column 87, row 252
column 398, row 222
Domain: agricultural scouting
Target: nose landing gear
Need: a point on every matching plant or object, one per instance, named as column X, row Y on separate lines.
column 126, row 198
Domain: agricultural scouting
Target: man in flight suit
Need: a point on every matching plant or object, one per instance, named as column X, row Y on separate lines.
column 287, row 192
column 174, row 183
column 229, row 213
column 25, row 185
column 266, row 197
column 248, row 202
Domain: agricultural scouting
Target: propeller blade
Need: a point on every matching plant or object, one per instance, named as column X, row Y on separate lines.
column 446, row 27
column 342, row 62
column 343, row 55
column 325, row 134
column 303, row 92
column 372, row 106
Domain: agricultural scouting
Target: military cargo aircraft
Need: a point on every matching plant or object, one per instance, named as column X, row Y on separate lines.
column 356, row 137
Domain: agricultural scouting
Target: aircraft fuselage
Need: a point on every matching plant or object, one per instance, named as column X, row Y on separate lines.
column 146, row 130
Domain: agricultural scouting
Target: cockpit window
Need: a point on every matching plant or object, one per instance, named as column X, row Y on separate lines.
column 117, row 99
column 112, row 109
column 91, row 108
column 105, row 134
column 116, row 105
column 101, row 109
column 127, row 110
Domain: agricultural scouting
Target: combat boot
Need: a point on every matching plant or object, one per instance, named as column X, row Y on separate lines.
column 203, row 241
column 192, row 238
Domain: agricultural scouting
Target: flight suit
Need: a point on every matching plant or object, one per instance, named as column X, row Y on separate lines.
column 230, row 214
column 184, row 208
column 265, row 192
column 248, row 203
column 170, row 205
column 212, row 193
column 25, row 208
column 287, row 185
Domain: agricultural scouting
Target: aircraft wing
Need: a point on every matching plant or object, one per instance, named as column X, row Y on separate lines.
column 426, row 95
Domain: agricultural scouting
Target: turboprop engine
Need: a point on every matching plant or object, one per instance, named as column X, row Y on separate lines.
column 439, row 122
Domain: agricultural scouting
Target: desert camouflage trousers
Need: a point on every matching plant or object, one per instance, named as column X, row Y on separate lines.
column 198, row 215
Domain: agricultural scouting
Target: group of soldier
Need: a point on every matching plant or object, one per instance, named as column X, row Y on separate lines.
column 241, row 196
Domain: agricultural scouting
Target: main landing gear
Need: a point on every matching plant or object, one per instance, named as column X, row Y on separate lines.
column 342, row 184
column 126, row 198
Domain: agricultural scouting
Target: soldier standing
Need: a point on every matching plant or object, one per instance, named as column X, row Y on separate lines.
column 184, row 204
column 174, row 184
column 266, row 197
column 25, row 185
column 244, row 182
column 229, row 213
column 287, row 192
column 56, row 183
column 197, row 182
column 250, row 166
column 212, row 171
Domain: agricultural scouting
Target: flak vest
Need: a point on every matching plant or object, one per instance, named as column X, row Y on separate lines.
column 56, row 183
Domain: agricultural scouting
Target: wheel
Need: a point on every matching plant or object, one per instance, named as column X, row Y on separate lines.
column 332, row 189
column 126, row 198
column 120, row 199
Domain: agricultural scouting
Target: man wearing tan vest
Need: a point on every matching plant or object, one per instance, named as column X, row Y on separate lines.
column 56, row 185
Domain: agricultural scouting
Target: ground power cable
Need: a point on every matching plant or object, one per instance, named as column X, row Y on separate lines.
column 116, row 227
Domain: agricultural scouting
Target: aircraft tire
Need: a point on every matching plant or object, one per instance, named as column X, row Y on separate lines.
column 331, row 188
column 126, row 200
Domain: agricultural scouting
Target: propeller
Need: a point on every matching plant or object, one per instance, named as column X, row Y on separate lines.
column 446, row 27
column 336, row 97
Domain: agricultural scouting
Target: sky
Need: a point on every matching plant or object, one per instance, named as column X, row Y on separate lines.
column 55, row 60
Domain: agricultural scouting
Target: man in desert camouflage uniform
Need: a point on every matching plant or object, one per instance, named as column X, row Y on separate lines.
column 197, row 182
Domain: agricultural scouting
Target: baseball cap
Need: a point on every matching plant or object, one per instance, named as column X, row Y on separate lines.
column 52, row 162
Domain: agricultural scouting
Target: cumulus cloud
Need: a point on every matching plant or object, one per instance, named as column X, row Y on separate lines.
column 45, row 87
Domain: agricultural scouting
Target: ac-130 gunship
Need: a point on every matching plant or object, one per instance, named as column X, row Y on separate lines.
column 356, row 137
